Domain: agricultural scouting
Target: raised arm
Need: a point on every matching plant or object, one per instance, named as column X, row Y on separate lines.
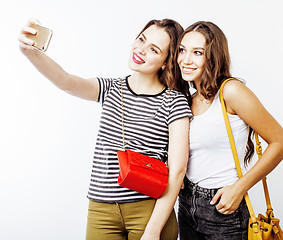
column 178, row 153
column 83, row 88
column 249, row 108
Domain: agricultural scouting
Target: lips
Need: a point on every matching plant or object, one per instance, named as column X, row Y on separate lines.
column 137, row 59
column 188, row 70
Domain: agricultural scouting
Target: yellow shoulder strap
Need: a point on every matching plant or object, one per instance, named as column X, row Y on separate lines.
column 236, row 159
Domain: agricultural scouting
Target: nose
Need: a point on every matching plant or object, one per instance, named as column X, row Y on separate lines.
column 141, row 50
column 187, row 59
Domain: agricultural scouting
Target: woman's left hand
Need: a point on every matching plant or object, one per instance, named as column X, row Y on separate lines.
column 230, row 199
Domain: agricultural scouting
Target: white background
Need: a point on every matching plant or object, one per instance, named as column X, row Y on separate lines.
column 47, row 137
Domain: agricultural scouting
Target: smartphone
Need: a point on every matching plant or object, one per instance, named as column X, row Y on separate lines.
column 41, row 38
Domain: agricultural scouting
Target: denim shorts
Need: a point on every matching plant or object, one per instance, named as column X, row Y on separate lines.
column 199, row 220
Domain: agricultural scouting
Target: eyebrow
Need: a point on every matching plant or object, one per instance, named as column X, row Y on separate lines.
column 152, row 43
column 193, row 48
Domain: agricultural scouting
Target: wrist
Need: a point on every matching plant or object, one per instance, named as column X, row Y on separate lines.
column 152, row 231
column 31, row 53
column 241, row 187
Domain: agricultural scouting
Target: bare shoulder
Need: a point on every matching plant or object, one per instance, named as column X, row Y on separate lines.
column 235, row 89
column 232, row 88
column 237, row 95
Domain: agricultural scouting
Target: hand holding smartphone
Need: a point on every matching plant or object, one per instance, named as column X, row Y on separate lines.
column 41, row 38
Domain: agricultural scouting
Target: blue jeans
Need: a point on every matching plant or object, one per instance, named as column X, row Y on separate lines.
column 199, row 220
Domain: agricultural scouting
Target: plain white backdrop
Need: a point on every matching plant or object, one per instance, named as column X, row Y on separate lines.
column 47, row 137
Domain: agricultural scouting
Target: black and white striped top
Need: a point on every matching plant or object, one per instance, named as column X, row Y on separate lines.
column 146, row 121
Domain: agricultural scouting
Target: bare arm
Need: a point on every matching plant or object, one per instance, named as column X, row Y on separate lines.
column 178, row 153
column 84, row 88
column 249, row 108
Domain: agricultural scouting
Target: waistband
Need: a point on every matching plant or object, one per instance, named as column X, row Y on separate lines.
column 194, row 188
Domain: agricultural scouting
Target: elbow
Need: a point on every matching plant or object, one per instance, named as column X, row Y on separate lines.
column 178, row 173
column 279, row 146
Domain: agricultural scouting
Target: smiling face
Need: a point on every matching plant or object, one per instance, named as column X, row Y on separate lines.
column 191, row 58
column 149, row 51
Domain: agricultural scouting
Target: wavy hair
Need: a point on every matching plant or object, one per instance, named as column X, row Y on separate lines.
column 216, row 69
column 174, row 30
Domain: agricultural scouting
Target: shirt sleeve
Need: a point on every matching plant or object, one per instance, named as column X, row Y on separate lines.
column 179, row 108
column 104, row 86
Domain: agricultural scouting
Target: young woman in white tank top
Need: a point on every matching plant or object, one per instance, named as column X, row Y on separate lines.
column 211, row 205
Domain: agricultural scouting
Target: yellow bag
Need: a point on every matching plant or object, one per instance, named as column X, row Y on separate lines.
column 261, row 227
column 264, row 228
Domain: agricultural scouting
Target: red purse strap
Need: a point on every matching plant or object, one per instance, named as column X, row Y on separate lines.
column 122, row 108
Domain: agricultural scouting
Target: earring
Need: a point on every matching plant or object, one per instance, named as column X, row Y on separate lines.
column 163, row 67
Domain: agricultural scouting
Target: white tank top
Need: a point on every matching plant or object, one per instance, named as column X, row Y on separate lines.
column 211, row 163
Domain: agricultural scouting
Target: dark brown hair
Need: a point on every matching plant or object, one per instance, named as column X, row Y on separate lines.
column 174, row 30
column 216, row 70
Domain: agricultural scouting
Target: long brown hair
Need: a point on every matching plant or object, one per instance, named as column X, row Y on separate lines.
column 174, row 30
column 216, row 70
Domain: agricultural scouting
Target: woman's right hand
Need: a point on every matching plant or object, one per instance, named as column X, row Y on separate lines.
column 80, row 87
column 25, row 44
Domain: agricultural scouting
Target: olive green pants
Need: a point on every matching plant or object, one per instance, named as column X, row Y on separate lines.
column 125, row 221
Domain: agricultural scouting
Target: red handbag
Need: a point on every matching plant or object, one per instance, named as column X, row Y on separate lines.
column 139, row 172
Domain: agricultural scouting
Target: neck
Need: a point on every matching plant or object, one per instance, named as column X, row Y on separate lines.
column 199, row 97
column 145, row 83
column 197, row 85
column 146, row 79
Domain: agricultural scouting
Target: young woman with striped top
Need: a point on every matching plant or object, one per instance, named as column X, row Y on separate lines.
column 156, row 119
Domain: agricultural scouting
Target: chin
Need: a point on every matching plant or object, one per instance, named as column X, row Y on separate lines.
column 187, row 78
column 131, row 65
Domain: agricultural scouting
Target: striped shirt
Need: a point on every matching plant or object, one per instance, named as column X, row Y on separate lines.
column 146, row 121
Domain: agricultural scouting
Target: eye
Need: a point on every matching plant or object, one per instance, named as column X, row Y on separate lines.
column 141, row 39
column 181, row 50
column 153, row 50
column 199, row 53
